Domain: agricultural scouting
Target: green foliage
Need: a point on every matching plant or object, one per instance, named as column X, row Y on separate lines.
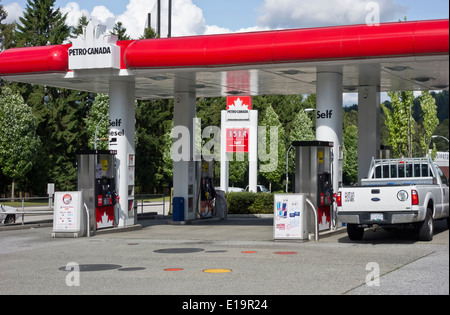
column 78, row 30
column 302, row 128
column 249, row 203
column 399, row 123
column 41, row 25
column 275, row 168
column 154, row 122
column 430, row 119
column 18, row 139
column 263, row 204
column 98, row 116
column 149, row 32
column 65, row 121
column 120, row 31
column 350, row 162
column 407, row 136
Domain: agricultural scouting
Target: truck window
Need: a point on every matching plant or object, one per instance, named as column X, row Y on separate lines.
column 442, row 176
column 402, row 170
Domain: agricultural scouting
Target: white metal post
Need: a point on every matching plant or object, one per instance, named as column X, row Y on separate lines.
column 329, row 115
column 121, row 138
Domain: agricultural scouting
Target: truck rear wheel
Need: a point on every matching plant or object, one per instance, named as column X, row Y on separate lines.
column 425, row 229
column 355, row 232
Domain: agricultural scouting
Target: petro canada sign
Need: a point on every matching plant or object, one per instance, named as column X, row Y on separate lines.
column 94, row 49
column 238, row 110
column 238, row 107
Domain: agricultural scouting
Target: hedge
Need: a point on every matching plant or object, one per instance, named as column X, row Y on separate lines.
column 249, row 203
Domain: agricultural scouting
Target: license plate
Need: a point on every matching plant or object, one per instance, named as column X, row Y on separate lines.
column 376, row 217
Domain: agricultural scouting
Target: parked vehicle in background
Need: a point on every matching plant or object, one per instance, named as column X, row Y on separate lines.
column 260, row 189
column 235, row 189
column 397, row 193
column 7, row 215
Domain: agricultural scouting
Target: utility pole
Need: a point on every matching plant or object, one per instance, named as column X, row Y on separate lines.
column 158, row 26
column 170, row 19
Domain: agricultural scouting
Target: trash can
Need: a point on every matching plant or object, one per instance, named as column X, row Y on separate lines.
column 178, row 209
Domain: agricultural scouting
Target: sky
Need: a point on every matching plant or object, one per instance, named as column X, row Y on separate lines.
column 200, row 17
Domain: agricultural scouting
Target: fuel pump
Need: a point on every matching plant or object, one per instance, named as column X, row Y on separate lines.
column 207, row 191
column 314, row 177
column 106, row 200
column 96, row 179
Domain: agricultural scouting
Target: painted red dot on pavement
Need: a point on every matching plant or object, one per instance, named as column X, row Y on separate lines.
column 249, row 252
column 285, row 253
column 173, row 269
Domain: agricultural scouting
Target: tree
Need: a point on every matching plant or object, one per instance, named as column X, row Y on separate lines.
column 302, row 128
column 78, row 30
column 154, row 122
column 120, row 31
column 350, row 147
column 430, row 119
column 149, row 32
column 6, row 31
column 399, row 122
column 350, row 152
column 41, row 25
column 98, row 116
column 59, row 112
column 275, row 168
column 18, row 139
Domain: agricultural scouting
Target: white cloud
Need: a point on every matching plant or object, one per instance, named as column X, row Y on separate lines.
column 300, row 13
column 74, row 13
column 14, row 11
column 104, row 16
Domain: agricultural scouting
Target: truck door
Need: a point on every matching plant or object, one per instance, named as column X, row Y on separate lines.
column 444, row 193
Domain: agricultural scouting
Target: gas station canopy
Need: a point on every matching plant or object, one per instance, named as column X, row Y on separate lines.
column 395, row 56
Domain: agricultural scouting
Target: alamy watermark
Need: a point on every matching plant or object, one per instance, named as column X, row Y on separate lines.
column 373, row 17
column 73, row 277
column 206, row 145
column 373, row 277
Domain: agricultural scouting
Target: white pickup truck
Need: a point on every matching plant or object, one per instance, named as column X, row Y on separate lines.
column 396, row 193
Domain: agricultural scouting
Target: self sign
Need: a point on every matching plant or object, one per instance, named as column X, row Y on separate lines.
column 324, row 115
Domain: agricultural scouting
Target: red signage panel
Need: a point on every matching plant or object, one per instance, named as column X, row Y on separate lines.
column 237, row 140
column 239, row 103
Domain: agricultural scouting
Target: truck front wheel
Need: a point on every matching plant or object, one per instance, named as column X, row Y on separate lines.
column 355, row 232
column 425, row 229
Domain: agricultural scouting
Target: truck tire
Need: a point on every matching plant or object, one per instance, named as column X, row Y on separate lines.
column 355, row 232
column 425, row 229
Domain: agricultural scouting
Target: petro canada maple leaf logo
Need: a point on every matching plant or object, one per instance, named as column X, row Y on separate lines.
column 239, row 104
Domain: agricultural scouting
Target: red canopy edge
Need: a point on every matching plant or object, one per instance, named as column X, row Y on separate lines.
column 291, row 46
column 34, row 60
column 401, row 39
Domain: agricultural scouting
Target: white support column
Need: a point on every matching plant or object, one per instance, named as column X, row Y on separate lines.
column 368, row 127
column 253, row 153
column 329, row 115
column 224, row 163
column 184, row 171
column 121, row 138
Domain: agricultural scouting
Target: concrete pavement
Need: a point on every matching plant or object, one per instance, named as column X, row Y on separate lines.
column 172, row 259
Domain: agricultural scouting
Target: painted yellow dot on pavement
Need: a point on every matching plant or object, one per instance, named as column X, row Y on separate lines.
column 217, row 270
